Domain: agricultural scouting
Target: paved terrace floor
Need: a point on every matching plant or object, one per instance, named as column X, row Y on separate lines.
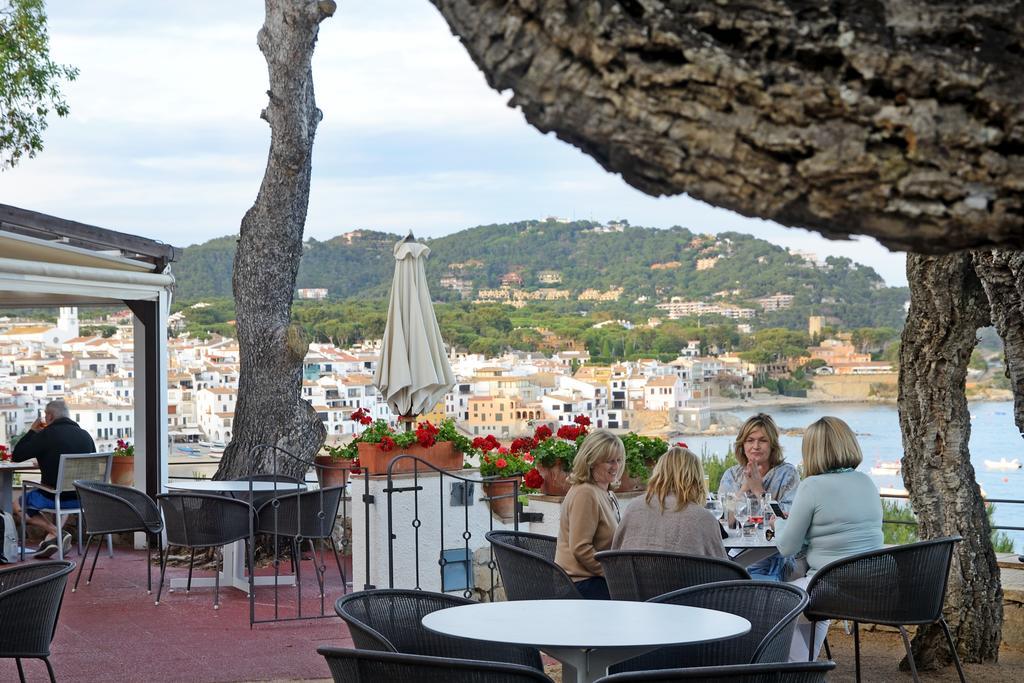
column 111, row 631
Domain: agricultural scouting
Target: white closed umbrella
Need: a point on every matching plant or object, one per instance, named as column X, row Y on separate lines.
column 413, row 373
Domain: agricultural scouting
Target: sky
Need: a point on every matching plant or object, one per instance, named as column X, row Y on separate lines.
column 164, row 138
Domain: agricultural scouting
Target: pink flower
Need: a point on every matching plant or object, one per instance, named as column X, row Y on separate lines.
column 501, row 463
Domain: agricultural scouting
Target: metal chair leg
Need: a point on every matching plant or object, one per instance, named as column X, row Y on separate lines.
column 856, row 649
column 810, row 645
column 81, row 566
column 952, row 649
column 99, row 547
column 49, row 670
column 828, row 650
column 191, row 561
column 21, row 672
column 163, row 569
column 341, row 572
column 910, row 654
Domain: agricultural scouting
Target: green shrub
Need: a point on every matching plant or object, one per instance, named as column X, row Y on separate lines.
column 715, row 466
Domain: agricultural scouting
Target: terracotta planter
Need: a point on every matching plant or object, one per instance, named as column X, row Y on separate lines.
column 556, row 479
column 332, row 472
column 122, row 470
column 441, row 455
column 503, row 507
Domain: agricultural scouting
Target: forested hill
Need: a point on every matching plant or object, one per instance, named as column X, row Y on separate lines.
column 729, row 269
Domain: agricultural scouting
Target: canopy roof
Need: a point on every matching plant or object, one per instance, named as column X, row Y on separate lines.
column 49, row 261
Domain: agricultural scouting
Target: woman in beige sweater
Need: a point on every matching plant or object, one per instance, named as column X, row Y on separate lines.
column 590, row 512
column 671, row 517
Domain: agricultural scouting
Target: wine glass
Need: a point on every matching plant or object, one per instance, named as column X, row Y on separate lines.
column 742, row 510
column 755, row 510
column 715, row 506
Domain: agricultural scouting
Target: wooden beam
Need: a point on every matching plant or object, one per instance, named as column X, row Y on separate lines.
column 88, row 235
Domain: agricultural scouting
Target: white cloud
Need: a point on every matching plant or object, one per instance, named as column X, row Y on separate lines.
column 165, row 139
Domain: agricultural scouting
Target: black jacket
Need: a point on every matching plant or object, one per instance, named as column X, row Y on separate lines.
column 46, row 446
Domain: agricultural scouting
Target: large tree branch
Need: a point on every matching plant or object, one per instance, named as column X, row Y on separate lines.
column 899, row 119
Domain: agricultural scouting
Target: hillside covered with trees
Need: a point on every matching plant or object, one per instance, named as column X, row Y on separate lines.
column 649, row 265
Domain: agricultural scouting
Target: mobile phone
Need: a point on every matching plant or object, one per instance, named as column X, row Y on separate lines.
column 776, row 509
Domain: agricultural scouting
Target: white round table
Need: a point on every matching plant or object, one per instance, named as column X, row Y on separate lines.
column 587, row 635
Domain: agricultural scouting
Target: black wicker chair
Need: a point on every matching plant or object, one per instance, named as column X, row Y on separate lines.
column 288, row 485
column 391, row 620
column 895, row 586
column 365, row 666
column 30, row 601
column 113, row 509
column 771, row 609
column 199, row 520
column 527, row 567
column 787, row 672
column 308, row 516
column 643, row 574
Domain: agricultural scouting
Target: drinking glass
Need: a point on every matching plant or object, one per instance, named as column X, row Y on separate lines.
column 742, row 510
column 755, row 510
column 715, row 506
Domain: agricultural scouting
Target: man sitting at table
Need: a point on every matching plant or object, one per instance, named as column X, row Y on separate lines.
column 48, row 437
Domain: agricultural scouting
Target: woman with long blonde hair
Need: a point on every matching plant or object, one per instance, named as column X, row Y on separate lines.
column 671, row 516
column 590, row 512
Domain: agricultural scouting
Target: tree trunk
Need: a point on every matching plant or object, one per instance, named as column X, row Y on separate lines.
column 947, row 306
column 270, row 409
column 1002, row 274
column 900, row 119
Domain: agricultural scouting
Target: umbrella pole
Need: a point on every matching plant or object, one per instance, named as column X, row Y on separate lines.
column 409, row 420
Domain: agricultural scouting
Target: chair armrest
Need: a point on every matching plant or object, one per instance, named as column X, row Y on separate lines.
column 28, row 484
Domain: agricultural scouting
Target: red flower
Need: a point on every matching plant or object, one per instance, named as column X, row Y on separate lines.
column 361, row 416
column 533, row 479
column 355, row 462
column 542, row 432
column 528, row 458
column 680, row 443
column 501, row 463
column 386, row 443
column 426, row 434
column 486, row 443
column 4, row 454
column 356, row 470
column 487, row 460
column 570, row 432
column 522, row 444
column 582, row 420
column 503, row 450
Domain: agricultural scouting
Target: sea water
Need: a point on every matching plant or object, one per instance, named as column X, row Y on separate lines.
column 993, row 436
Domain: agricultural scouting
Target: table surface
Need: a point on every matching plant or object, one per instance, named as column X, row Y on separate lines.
column 586, row 623
column 755, row 541
column 210, row 486
column 27, row 465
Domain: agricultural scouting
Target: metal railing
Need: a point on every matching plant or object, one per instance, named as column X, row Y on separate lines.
column 994, row 527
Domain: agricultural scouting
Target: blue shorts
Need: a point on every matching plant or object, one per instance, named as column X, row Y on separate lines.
column 37, row 500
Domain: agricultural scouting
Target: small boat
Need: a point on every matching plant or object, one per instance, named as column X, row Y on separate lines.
column 887, row 468
column 1002, row 464
column 189, row 450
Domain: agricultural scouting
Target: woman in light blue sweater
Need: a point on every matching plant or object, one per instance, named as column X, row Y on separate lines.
column 836, row 513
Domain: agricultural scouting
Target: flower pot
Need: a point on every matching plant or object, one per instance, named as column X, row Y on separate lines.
column 556, row 479
column 503, row 507
column 331, row 471
column 122, row 470
column 441, row 455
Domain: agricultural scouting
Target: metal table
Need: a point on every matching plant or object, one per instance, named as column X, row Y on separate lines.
column 7, row 470
column 233, row 573
column 748, row 550
column 587, row 636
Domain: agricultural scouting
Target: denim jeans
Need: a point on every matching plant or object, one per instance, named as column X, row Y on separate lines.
column 594, row 588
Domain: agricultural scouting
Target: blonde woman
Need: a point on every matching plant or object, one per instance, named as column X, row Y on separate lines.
column 590, row 512
column 761, row 466
column 836, row 512
column 671, row 516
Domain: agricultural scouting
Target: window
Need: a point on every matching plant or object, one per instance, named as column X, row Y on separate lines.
column 99, row 417
column 497, row 417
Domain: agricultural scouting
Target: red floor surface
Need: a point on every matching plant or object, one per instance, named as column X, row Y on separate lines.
column 110, row 630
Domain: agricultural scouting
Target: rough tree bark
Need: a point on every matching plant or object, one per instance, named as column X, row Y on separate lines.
column 1002, row 274
column 947, row 306
column 900, row 119
column 270, row 409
